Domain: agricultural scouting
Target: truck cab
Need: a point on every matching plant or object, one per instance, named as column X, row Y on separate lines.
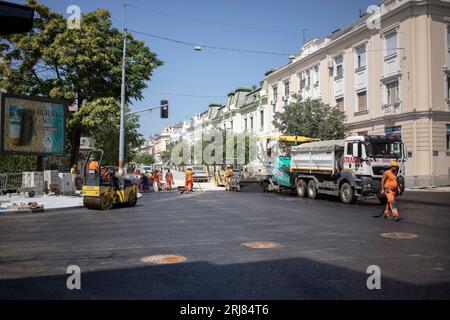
column 368, row 157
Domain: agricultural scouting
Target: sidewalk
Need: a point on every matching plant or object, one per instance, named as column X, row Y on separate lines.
column 49, row 202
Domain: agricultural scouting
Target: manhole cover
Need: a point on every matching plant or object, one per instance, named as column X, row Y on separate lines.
column 163, row 259
column 261, row 245
column 399, row 235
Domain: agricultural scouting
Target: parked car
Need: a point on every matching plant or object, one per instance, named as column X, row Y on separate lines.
column 200, row 173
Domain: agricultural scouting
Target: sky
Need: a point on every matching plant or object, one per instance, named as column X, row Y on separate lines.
column 191, row 80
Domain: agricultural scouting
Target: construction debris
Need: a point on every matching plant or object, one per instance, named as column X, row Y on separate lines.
column 26, row 206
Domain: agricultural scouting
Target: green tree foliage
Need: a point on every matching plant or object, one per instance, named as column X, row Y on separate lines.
column 145, row 159
column 16, row 164
column 100, row 119
column 312, row 118
column 77, row 66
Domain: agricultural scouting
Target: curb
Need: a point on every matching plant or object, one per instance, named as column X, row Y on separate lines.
column 28, row 211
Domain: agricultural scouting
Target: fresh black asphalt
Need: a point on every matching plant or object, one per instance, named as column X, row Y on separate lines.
column 325, row 249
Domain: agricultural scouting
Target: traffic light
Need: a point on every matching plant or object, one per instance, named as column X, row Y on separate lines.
column 164, row 109
column 15, row 18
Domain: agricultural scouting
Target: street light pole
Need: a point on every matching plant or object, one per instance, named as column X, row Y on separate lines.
column 122, row 101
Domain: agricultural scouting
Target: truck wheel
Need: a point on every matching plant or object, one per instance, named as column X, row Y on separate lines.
column 301, row 188
column 347, row 193
column 312, row 190
column 132, row 199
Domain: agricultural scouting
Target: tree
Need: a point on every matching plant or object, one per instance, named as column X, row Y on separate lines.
column 145, row 159
column 100, row 119
column 77, row 66
column 312, row 118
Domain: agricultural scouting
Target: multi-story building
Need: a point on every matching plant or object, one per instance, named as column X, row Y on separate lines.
column 390, row 74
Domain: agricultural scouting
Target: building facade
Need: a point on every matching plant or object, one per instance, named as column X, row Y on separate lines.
column 391, row 78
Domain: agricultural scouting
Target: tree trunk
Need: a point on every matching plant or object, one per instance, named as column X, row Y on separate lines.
column 75, row 144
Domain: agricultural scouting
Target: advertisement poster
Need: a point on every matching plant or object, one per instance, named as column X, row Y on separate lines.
column 32, row 126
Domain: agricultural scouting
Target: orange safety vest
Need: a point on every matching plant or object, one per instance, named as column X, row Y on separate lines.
column 188, row 175
column 391, row 181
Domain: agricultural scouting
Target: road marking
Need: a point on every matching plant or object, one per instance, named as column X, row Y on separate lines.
column 261, row 245
column 399, row 235
column 163, row 259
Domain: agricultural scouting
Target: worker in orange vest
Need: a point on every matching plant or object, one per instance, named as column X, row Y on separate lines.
column 188, row 179
column 390, row 188
column 169, row 179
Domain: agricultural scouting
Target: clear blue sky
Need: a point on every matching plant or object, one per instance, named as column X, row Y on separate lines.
column 213, row 72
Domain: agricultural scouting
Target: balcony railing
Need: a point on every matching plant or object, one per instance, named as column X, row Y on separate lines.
column 392, row 109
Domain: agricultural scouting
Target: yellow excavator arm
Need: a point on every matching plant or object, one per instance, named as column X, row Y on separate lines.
column 299, row 139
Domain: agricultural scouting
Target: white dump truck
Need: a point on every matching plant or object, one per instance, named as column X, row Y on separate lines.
column 350, row 168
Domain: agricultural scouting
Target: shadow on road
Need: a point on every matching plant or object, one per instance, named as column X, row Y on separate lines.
column 295, row 278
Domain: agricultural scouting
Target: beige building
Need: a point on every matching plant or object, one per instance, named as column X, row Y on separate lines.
column 391, row 75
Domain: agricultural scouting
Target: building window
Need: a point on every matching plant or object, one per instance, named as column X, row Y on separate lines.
column 448, row 45
column 261, row 119
column 390, row 43
column 361, row 57
column 308, row 79
column 339, row 63
column 448, row 137
column 275, row 94
column 286, row 88
column 302, row 81
column 231, row 125
column 362, row 101
column 340, row 104
column 245, row 124
column 274, row 109
column 392, row 93
column 251, row 123
column 316, row 76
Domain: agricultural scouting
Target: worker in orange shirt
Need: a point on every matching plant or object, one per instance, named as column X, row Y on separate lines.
column 390, row 188
column 229, row 173
column 157, row 176
column 188, row 179
column 169, row 179
column 93, row 166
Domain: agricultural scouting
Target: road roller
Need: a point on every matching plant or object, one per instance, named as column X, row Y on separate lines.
column 102, row 188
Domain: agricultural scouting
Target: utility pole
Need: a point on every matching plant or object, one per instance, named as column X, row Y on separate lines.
column 122, row 101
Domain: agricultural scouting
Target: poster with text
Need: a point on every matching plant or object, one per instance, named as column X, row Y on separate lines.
column 32, row 126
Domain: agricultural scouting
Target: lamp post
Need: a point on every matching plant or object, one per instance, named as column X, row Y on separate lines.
column 122, row 101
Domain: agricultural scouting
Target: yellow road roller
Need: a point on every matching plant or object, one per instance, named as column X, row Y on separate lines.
column 102, row 189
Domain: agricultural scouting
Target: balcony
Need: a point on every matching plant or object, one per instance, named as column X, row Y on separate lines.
column 392, row 109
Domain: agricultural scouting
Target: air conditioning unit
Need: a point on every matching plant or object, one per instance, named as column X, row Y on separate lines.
column 330, row 63
column 85, row 142
column 273, row 103
column 284, row 98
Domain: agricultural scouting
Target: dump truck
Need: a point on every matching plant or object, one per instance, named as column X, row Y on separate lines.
column 351, row 168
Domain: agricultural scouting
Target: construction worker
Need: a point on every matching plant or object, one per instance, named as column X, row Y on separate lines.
column 169, row 179
column 229, row 173
column 157, row 177
column 93, row 166
column 390, row 188
column 188, row 179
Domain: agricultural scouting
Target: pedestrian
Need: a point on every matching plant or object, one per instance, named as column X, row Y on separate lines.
column 169, row 179
column 390, row 188
column 143, row 183
column 188, row 179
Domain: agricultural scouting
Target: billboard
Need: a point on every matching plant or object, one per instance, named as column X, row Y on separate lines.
column 32, row 125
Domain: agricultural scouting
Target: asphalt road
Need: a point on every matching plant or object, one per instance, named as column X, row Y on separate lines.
column 325, row 248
